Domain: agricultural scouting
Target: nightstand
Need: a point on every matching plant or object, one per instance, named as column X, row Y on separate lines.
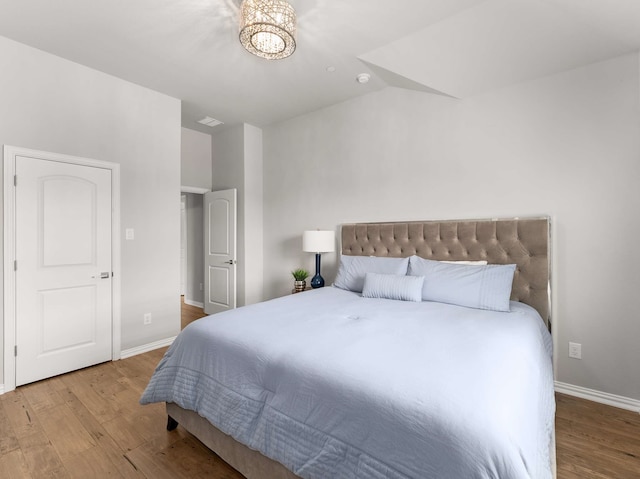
column 293, row 291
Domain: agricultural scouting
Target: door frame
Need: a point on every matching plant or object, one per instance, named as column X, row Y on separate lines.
column 183, row 244
column 9, row 233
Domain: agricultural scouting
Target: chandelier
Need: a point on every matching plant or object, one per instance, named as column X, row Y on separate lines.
column 268, row 28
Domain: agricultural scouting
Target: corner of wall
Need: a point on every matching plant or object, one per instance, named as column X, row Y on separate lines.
column 237, row 163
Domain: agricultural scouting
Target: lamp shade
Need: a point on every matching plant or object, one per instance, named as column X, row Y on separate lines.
column 318, row 241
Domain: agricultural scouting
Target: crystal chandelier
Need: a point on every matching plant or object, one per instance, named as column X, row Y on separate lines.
column 268, row 28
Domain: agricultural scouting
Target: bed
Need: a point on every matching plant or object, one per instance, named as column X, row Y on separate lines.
column 337, row 382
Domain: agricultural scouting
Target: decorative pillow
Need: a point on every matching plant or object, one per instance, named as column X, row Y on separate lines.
column 393, row 286
column 353, row 268
column 480, row 287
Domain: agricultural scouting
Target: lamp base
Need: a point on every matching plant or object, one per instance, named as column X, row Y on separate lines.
column 317, row 281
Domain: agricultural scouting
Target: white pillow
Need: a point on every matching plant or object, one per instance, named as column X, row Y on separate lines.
column 473, row 286
column 353, row 268
column 393, row 286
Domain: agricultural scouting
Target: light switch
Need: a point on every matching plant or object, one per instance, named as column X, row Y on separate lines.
column 129, row 234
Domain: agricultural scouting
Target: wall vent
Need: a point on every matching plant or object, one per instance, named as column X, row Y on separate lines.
column 208, row 121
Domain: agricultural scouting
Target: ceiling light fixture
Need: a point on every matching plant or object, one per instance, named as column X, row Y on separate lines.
column 268, row 28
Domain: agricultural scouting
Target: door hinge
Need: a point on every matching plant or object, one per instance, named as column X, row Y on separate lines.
column 15, row 180
column 15, row 350
column 15, row 265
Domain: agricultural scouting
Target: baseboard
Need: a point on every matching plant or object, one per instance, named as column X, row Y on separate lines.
column 190, row 302
column 145, row 348
column 1, row 389
column 598, row 396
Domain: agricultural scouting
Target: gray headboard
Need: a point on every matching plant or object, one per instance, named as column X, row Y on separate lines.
column 524, row 242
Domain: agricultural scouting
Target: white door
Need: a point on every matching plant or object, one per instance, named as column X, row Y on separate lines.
column 63, row 261
column 220, row 251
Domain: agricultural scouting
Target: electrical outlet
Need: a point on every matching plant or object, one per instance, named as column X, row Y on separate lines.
column 147, row 318
column 575, row 350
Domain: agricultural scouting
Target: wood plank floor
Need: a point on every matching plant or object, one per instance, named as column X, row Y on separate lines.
column 189, row 313
column 594, row 441
column 88, row 424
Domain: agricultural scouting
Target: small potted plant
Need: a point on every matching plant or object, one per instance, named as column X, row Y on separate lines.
column 299, row 275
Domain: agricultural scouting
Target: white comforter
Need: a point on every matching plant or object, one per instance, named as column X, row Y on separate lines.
column 333, row 385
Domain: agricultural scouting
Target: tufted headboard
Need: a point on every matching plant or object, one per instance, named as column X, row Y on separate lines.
column 524, row 242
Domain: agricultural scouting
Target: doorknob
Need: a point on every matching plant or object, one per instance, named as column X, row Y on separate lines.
column 231, row 261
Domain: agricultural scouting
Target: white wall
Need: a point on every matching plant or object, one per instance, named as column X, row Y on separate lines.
column 195, row 159
column 237, row 163
column 55, row 105
column 565, row 145
column 253, row 215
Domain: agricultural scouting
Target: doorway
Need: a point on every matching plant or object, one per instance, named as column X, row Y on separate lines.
column 209, row 244
column 192, row 248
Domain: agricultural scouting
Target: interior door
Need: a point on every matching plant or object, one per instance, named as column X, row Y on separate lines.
column 63, row 267
column 220, row 251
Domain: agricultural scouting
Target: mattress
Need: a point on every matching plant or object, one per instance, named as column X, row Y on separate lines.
column 331, row 384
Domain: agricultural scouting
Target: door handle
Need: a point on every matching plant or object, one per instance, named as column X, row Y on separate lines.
column 231, row 261
column 103, row 275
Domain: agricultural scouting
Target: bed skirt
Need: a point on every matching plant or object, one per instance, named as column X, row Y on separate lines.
column 251, row 464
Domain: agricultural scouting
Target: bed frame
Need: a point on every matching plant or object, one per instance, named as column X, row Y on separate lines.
column 525, row 242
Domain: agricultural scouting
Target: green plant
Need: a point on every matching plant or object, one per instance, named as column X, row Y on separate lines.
column 300, row 274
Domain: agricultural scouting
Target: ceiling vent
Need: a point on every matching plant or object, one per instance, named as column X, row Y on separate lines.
column 208, row 121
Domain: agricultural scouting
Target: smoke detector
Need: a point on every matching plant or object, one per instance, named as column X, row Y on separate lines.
column 363, row 78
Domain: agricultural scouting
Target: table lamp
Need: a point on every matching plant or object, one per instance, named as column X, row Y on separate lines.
column 318, row 242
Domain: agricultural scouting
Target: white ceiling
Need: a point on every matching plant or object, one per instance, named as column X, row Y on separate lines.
column 189, row 49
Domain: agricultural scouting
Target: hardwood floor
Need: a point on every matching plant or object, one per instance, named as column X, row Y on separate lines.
column 596, row 441
column 88, row 424
column 189, row 313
